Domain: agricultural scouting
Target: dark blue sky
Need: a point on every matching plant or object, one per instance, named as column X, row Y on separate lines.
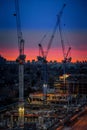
column 41, row 14
column 39, row 17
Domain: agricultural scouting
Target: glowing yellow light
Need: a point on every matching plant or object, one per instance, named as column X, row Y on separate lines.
column 21, row 111
column 64, row 76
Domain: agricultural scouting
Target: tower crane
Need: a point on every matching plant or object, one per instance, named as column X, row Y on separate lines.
column 44, row 54
column 20, row 60
column 66, row 59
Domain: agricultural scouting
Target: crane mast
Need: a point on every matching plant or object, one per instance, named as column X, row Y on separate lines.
column 20, row 60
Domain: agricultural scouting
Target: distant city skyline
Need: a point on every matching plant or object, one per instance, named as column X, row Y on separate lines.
column 38, row 17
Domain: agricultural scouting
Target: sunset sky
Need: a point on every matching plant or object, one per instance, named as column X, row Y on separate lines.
column 38, row 18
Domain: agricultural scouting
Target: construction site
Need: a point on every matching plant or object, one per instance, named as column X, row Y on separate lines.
column 45, row 95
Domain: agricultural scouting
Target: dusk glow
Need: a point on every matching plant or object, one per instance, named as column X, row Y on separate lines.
column 55, row 54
